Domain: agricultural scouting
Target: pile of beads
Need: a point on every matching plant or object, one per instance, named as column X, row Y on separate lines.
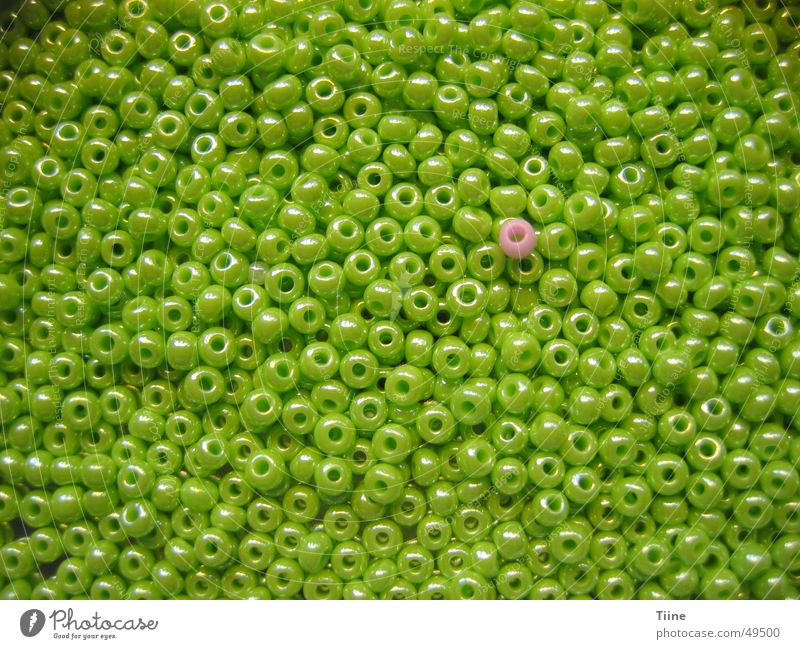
column 275, row 322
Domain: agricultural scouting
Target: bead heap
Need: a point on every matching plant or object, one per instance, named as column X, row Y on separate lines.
column 260, row 336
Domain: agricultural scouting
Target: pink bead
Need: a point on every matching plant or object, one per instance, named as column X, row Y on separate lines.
column 517, row 238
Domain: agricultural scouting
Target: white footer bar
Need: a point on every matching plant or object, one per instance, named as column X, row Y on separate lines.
column 400, row 625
